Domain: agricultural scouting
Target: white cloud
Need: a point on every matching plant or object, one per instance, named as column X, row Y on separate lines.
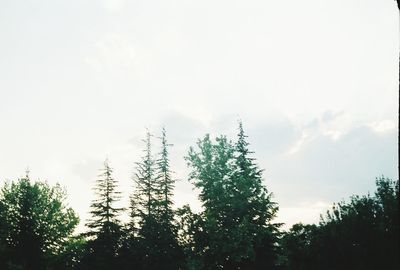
column 383, row 127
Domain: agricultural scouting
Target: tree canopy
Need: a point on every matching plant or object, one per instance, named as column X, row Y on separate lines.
column 36, row 225
column 238, row 209
column 233, row 230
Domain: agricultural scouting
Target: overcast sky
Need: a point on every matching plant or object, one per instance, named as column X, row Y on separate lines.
column 314, row 81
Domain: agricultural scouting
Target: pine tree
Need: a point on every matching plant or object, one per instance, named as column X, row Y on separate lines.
column 105, row 229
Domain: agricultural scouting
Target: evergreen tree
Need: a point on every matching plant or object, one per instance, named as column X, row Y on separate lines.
column 165, row 183
column 144, row 208
column 151, row 209
column 144, row 198
column 171, row 254
column 105, row 229
column 252, row 211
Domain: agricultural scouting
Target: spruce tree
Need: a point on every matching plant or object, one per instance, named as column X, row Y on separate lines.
column 105, row 229
column 144, row 198
column 170, row 252
column 165, row 181
column 252, row 210
column 144, row 208
column 151, row 209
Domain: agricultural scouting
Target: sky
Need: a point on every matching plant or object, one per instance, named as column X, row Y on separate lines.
column 315, row 83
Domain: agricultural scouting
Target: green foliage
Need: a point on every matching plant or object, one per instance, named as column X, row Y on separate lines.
column 237, row 207
column 151, row 210
column 360, row 234
column 234, row 230
column 297, row 246
column 144, row 199
column 105, row 230
column 36, row 225
column 191, row 237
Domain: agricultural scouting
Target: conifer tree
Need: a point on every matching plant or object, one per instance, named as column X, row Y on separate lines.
column 170, row 252
column 151, row 209
column 252, row 209
column 144, row 208
column 105, row 229
column 144, row 198
column 165, row 182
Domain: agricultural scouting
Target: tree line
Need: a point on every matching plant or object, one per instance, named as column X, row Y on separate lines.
column 235, row 229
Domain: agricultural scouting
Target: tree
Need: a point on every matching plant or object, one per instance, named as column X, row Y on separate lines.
column 105, row 229
column 165, row 183
column 211, row 168
column 237, row 207
column 252, row 210
column 192, row 237
column 144, row 208
column 360, row 234
column 36, row 225
column 151, row 209
column 144, row 198
column 171, row 254
column 297, row 246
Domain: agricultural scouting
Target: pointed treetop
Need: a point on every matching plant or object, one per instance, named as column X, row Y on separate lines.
column 27, row 171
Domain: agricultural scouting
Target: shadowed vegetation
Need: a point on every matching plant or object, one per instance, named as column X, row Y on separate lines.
column 234, row 230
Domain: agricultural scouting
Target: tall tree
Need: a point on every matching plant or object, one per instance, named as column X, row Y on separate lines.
column 171, row 254
column 104, row 226
column 145, row 206
column 212, row 168
column 165, row 182
column 152, row 209
column 144, row 198
column 237, row 207
column 35, row 225
column 253, row 211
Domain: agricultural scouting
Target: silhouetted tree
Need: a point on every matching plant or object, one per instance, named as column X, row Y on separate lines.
column 360, row 234
column 104, row 235
column 171, row 254
column 151, row 210
column 35, row 225
column 144, row 208
column 297, row 247
column 192, row 237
